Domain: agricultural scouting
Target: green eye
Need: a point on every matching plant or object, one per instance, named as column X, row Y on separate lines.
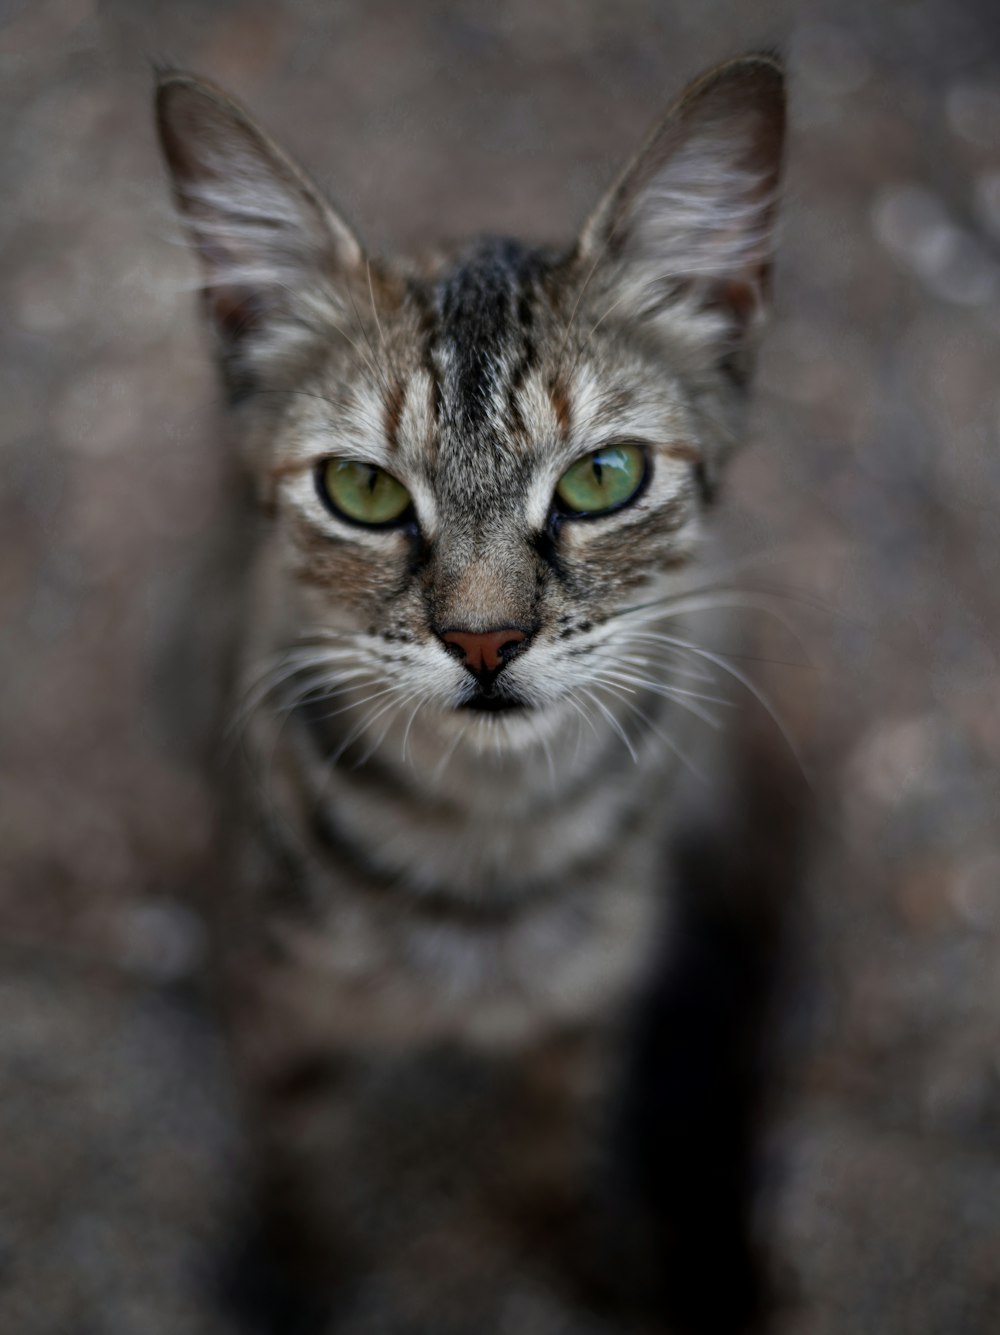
column 602, row 481
column 361, row 492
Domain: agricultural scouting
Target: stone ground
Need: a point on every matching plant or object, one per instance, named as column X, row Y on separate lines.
column 872, row 492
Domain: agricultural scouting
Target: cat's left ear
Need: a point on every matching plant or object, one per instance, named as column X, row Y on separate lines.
column 273, row 252
column 693, row 214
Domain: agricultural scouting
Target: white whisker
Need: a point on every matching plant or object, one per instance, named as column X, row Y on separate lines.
column 620, row 682
column 421, row 701
column 748, row 684
column 666, row 738
column 614, row 723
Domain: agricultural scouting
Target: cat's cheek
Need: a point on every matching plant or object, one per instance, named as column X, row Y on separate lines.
column 330, row 574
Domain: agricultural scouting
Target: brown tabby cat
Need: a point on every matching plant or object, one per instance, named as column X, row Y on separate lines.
column 475, row 1088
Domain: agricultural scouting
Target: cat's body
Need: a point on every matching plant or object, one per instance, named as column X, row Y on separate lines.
column 462, row 713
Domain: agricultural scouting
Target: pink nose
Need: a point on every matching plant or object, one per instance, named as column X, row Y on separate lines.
column 484, row 652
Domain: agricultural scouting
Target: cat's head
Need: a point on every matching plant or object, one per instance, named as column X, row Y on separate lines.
column 482, row 468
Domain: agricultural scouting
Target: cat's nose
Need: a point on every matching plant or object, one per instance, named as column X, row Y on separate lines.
column 485, row 652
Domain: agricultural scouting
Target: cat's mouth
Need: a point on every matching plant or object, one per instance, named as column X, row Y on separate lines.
column 493, row 704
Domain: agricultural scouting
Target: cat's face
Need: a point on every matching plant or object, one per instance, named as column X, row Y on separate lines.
column 483, row 470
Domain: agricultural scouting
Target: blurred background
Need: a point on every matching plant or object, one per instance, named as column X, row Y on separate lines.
column 872, row 488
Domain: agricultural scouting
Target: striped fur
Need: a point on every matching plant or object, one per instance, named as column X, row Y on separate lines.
column 434, row 880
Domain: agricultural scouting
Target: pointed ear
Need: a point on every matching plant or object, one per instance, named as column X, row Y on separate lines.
column 271, row 248
column 693, row 214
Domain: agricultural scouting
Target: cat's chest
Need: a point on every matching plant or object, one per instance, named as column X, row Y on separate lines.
column 477, row 903
column 373, row 971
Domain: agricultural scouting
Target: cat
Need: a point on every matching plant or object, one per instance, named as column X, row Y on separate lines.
column 464, row 709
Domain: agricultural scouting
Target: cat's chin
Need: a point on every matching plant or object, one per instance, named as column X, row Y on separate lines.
column 513, row 726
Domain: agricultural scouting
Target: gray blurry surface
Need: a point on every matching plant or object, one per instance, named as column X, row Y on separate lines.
column 871, row 489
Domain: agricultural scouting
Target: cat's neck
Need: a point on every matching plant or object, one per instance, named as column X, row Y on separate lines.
column 475, row 810
column 476, row 891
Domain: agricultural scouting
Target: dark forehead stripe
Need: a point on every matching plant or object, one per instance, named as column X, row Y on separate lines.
column 484, row 320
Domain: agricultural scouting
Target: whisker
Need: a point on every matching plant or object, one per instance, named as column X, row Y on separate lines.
column 626, row 662
column 446, row 758
column 365, row 723
column 730, row 653
column 593, row 330
column 547, row 751
column 748, row 684
column 323, row 694
column 422, row 698
column 703, row 597
column 378, row 370
column 666, row 738
column 576, row 306
column 363, row 759
column 659, row 688
column 302, row 651
column 378, row 323
column 245, row 712
column 614, row 723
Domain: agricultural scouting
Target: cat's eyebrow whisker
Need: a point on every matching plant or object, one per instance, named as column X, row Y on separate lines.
column 378, row 323
column 375, row 365
column 593, row 330
column 573, row 313
column 371, row 294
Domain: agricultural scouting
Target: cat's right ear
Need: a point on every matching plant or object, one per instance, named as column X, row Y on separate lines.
column 272, row 250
